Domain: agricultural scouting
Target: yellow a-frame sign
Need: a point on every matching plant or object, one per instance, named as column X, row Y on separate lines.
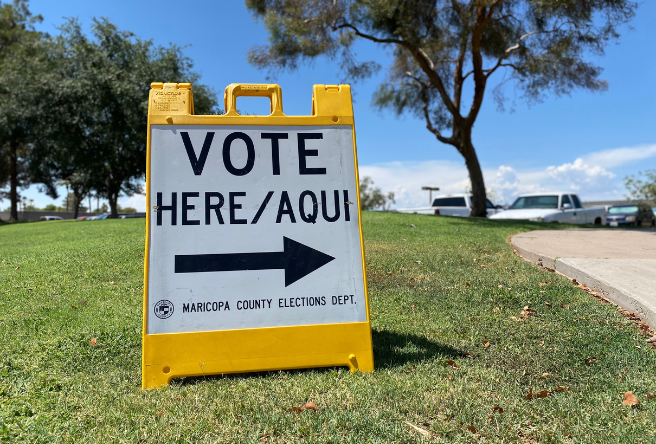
column 254, row 252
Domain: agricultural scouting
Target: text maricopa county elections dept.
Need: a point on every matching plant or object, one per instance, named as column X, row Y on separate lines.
column 308, row 201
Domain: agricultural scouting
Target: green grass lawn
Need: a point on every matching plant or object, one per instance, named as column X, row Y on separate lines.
column 438, row 293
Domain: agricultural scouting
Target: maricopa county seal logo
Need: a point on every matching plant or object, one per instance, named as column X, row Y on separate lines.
column 163, row 309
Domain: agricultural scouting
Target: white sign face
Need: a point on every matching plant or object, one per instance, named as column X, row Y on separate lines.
column 255, row 226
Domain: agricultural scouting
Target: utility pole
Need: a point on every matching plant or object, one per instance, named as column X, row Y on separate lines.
column 430, row 193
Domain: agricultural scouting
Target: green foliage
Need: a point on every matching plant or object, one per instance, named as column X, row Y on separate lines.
column 540, row 46
column 96, row 139
column 642, row 188
column 126, row 210
column 372, row 197
column 63, row 283
column 22, row 68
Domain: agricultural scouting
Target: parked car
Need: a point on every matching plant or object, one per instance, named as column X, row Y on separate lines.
column 637, row 215
column 450, row 205
column 552, row 207
column 98, row 217
column 51, row 218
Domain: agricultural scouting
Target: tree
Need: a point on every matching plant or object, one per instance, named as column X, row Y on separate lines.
column 437, row 45
column 372, row 197
column 21, row 66
column 642, row 188
column 97, row 140
column 72, row 203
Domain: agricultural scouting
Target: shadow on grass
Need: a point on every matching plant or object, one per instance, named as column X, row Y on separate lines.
column 391, row 350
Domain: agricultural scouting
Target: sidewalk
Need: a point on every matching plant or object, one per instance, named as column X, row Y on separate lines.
column 619, row 264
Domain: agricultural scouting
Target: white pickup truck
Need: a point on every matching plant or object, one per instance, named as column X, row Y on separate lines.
column 450, row 205
column 565, row 208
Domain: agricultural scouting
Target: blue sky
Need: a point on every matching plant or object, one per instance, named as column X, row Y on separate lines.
column 586, row 142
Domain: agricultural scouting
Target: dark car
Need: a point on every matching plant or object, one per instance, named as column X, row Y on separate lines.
column 637, row 215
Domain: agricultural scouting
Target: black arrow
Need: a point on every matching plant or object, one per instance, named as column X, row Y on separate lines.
column 296, row 259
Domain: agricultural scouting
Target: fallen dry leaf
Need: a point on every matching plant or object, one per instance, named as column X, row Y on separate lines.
column 307, row 406
column 650, row 395
column 542, row 394
column 452, row 363
column 541, row 342
column 17, row 268
column 575, row 282
column 486, row 343
column 651, row 340
column 471, row 428
column 630, row 399
column 73, row 307
column 496, row 310
column 413, row 225
column 590, row 360
column 468, row 284
column 545, row 375
column 547, row 303
column 417, row 429
column 111, row 283
column 94, row 341
column 497, row 409
column 500, row 286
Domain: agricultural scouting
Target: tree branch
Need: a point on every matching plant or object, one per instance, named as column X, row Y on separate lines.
column 483, row 16
column 425, row 63
column 429, row 123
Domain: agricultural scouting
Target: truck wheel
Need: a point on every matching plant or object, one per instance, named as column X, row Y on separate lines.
column 597, row 221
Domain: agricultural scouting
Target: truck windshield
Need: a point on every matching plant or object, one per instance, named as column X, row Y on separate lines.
column 535, row 202
column 622, row 210
column 449, row 202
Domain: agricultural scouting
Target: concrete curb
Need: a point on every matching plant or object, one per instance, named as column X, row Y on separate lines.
column 569, row 267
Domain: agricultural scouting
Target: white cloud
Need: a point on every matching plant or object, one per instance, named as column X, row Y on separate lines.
column 620, row 156
column 136, row 201
column 407, row 178
column 590, row 176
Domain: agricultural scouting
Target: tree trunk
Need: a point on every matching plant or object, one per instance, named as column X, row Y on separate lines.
column 13, row 181
column 479, row 199
column 113, row 204
column 76, row 209
column 79, row 197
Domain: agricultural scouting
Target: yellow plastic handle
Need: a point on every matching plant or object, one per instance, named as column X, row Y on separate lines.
column 234, row 90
